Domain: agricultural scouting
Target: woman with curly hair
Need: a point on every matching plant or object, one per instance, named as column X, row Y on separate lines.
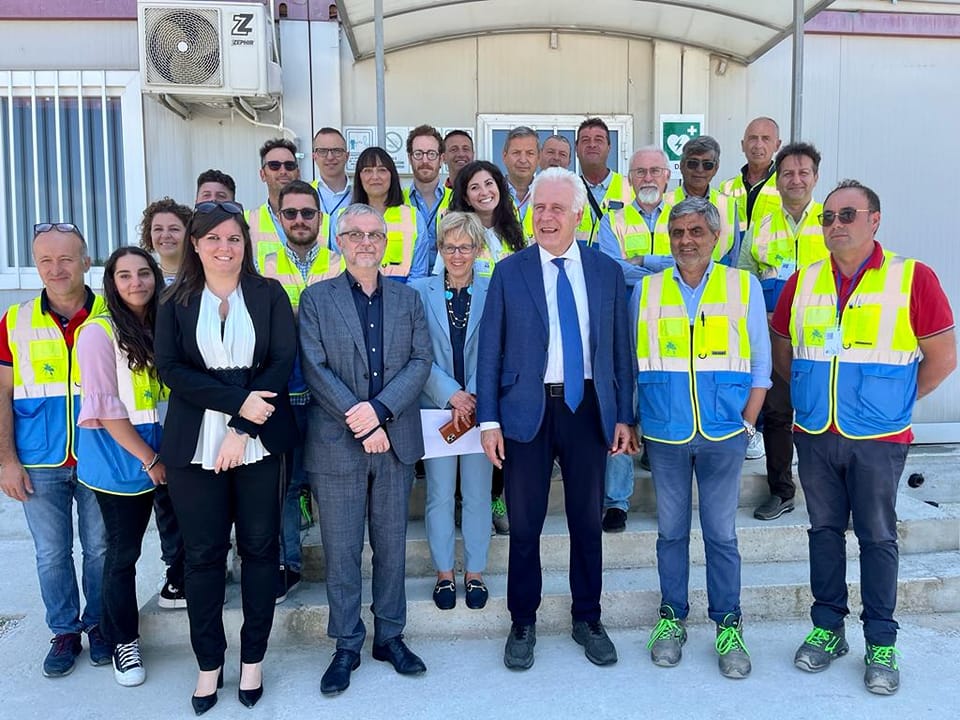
column 162, row 232
column 118, row 437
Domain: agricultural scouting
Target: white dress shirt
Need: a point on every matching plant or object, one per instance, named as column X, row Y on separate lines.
column 573, row 265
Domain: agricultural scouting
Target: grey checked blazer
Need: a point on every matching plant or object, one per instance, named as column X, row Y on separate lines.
column 334, row 358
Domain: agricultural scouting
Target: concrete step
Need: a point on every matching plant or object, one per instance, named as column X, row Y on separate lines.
column 921, row 528
column 928, row 583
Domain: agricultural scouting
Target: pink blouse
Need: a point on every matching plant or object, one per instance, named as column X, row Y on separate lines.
column 97, row 356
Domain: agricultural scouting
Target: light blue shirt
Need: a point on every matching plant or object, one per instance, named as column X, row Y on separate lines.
column 429, row 212
column 758, row 331
column 633, row 274
column 332, row 202
column 598, row 191
column 521, row 207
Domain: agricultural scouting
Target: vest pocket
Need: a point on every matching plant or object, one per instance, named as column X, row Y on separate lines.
column 884, row 395
column 653, row 395
column 730, row 398
column 802, row 393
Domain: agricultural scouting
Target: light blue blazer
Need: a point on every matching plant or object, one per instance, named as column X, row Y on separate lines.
column 441, row 383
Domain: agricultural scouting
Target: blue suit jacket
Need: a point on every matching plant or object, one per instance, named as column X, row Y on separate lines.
column 441, row 383
column 514, row 336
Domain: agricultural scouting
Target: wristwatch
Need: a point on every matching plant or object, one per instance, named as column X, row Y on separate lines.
column 235, row 431
column 750, row 429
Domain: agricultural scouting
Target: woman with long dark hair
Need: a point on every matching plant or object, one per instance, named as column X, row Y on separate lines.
column 225, row 346
column 376, row 183
column 482, row 189
column 118, row 436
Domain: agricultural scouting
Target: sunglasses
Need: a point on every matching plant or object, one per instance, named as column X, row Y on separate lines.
column 694, row 164
column 845, row 215
column 205, row 208
column 288, row 165
column 59, row 227
column 305, row 213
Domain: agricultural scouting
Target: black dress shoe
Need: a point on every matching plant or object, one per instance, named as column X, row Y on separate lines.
column 202, row 703
column 250, row 697
column 396, row 652
column 337, row 677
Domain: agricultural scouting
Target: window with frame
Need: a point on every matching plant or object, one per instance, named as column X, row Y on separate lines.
column 71, row 152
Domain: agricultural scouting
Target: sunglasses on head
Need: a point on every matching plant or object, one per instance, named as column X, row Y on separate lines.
column 204, row 208
column 59, row 227
column 288, row 165
column 305, row 213
column 845, row 215
column 694, row 164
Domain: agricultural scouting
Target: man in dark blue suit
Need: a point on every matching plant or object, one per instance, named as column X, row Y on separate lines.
column 555, row 380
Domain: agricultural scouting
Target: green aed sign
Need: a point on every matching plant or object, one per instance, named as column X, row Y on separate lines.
column 675, row 132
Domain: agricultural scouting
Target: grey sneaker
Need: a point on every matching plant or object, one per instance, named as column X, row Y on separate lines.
column 597, row 645
column 667, row 639
column 734, row 660
column 773, row 507
column 820, row 648
column 882, row 674
column 498, row 508
column 518, row 654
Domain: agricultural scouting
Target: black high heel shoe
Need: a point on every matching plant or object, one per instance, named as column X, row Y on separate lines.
column 250, row 698
column 202, row 703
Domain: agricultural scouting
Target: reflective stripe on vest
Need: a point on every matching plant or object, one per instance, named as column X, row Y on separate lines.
column 727, row 208
column 699, row 381
column 44, row 407
column 767, row 200
column 618, row 191
column 634, row 236
column 262, row 231
column 869, row 389
column 102, row 463
column 774, row 242
column 401, row 223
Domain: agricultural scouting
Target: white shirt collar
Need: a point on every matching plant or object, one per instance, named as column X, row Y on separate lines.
column 572, row 253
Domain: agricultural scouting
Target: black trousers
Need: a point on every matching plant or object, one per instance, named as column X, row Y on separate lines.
column 576, row 439
column 778, row 438
column 125, row 518
column 171, row 541
column 206, row 505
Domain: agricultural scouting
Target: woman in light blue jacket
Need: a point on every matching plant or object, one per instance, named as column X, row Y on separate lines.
column 453, row 303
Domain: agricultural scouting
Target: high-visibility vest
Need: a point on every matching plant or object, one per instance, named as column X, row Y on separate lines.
column 767, row 200
column 102, row 464
column 618, row 191
column 401, row 223
column 274, row 262
column 779, row 252
column 868, row 390
column 694, row 375
column 729, row 223
column 45, row 407
column 526, row 222
column 633, row 235
column 263, row 230
column 484, row 263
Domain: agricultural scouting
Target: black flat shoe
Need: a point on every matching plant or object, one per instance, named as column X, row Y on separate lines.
column 202, row 703
column 445, row 594
column 250, row 697
column 476, row 594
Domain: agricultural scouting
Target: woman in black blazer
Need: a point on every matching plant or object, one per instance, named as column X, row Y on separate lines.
column 225, row 345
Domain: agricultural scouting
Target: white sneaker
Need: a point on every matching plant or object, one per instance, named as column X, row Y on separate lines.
column 127, row 666
column 755, row 449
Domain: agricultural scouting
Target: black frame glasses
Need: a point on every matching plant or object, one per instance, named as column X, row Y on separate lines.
column 204, row 208
column 845, row 215
column 305, row 213
column 275, row 165
column 59, row 227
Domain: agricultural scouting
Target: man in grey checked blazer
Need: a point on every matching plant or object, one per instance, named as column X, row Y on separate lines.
column 365, row 351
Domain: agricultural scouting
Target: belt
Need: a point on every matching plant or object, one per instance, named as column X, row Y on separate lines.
column 554, row 390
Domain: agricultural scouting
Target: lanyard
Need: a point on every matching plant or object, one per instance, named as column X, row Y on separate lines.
column 423, row 209
column 854, row 281
column 337, row 206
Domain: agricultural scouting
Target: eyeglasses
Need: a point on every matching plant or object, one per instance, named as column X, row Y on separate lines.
column 305, row 213
column 845, row 215
column 330, row 152
column 59, row 227
column 288, row 165
column 428, row 154
column 205, row 208
column 652, row 172
column 358, row 236
column 458, row 249
column 694, row 164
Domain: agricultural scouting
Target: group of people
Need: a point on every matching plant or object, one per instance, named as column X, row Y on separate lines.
column 240, row 358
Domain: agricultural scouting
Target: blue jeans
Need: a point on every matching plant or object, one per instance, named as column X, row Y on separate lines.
column 618, row 482
column 841, row 476
column 290, row 550
column 49, row 512
column 475, row 474
column 717, row 465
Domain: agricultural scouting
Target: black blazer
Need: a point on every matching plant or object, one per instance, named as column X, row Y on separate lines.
column 193, row 389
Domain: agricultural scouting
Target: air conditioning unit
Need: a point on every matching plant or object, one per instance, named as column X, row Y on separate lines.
column 214, row 53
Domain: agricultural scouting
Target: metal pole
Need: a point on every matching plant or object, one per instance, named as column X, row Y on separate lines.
column 381, row 95
column 796, row 96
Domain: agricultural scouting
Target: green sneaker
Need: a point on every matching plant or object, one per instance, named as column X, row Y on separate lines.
column 820, row 648
column 667, row 639
column 882, row 674
column 498, row 509
column 734, row 660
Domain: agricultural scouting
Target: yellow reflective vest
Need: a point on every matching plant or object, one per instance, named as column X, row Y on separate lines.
column 619, row 195
column 729, row 224
column 767, row 200
column 633, row 235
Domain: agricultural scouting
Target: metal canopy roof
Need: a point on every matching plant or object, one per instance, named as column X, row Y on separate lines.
column 741, row 30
